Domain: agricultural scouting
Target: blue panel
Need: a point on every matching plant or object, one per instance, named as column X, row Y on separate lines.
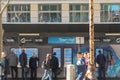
column 62, row 40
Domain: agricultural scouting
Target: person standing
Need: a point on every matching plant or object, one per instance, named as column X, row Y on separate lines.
column 23, row 64
column 5, row 66
column 47, row 67
column 110, row 59
column 13, row 62
column 54, row 65
column 33, row 66
column 101, row 60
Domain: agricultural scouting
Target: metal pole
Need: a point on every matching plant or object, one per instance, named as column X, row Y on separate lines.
column 91, row 36
column 91, row 30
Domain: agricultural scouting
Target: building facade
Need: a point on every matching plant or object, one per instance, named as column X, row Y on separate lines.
column 55, row 26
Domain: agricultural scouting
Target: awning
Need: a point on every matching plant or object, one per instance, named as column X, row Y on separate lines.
column 37, row 28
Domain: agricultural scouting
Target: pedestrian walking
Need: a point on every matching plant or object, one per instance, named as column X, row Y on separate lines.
column 54, row 66
column 23, row 64
column 81, row 67
column 46, row 65
column 13, row 62
column 5, row 66
column 101, row 60
column 33, row 66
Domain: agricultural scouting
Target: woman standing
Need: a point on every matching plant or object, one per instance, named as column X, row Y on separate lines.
column 46, row 66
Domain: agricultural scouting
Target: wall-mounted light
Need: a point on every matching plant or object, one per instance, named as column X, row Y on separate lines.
column 29, row 34
column 112, row 34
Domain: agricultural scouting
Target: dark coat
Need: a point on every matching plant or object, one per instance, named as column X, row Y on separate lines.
column 101, row 60
column 54, row 63
column 23, row 59
column 33, row 62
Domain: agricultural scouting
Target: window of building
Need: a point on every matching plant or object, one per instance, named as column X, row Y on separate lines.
column 79, row 12
column 58, row 54
column 18, row 13
column 49, row 13
column 110, row 13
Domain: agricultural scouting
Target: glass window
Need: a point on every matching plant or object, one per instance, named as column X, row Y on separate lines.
column 79, row 12
column 67, row 56
column 18, row 13
column 85, row 7
column 49, row 13
column 110, row 13
column 58, row 54
column 53, row 7
column 43, row 7
column 75, row 7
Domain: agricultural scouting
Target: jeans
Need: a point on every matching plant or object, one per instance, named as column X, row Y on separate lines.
column 33, row 73
column 54, row 74
column 80, row 73
column 101, row 72
column 47, row 74
column 24, row 73
column 14, row 69
column 5, row 77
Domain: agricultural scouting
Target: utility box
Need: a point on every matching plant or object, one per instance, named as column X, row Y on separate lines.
column 70, row 72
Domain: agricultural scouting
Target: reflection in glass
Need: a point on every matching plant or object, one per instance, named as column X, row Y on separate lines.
column 110, row 13
column 18, row 13
column 79, row 12
column 49, row 13
column 79, row 17
column 67, row 56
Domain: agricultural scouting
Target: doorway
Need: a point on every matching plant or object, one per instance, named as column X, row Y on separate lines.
column 64, row 55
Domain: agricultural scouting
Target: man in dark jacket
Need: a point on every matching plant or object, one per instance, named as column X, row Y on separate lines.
column 54, row 65
column 101, row 60
column 33, row 66
column 23, row 64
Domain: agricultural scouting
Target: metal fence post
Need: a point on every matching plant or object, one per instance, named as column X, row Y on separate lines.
column 70, row 72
